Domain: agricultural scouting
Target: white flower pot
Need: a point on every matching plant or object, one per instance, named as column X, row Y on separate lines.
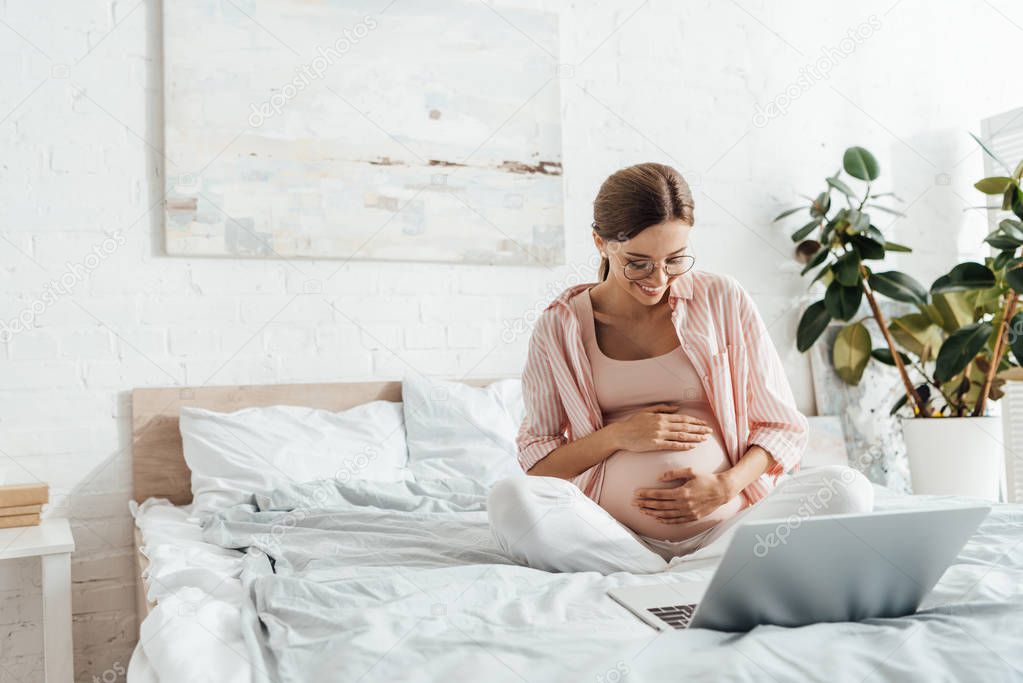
column 961, row 456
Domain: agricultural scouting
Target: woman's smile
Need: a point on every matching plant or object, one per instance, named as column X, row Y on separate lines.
column 650, row 291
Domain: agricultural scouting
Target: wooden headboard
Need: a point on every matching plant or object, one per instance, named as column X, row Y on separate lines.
column 158, row 463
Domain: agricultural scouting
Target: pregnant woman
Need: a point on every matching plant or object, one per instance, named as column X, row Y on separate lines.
column 658, row 415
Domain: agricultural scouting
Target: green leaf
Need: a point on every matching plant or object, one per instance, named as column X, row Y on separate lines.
column 829, row 228
column 1000, row 241
column 873, row 233
column 884, row 354
column 1015, row 334
column 836, row 224
column 954, row 309
column 858, row 221
column 842, row 302
column 820, row 273
column 839, row 185
column 847, row 269
column 932, row 312
column 788, row 212
column 917, row 334
column 798, row 235
column 851, row 352
column 1011, row 228
column 993, row 185
column 989, row 298
column 1009, row 199
column 959, row 349
column 965, row 276
column 1014, row 278
column 820, row 205
column 812, row 325
column 817, row 259
column 887, row 194
column 898, row 286
column 989, row 152
column 868, row 248
column 898, row 404
column 1003, row 259
column 861, row 164
column 895, row 246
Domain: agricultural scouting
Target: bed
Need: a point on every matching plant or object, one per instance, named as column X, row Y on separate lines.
column 400, row 580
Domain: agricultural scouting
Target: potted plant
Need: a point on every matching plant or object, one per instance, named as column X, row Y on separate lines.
column 951, row 353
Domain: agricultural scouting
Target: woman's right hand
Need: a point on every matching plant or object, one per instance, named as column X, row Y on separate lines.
column 660, row 428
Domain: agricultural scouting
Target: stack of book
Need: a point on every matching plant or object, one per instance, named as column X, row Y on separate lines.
column 20, row 504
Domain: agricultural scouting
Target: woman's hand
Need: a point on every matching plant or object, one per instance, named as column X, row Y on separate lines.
column 660, row 428
column 698, row 495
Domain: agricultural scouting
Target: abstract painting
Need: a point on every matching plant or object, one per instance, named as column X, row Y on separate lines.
column 420, row 131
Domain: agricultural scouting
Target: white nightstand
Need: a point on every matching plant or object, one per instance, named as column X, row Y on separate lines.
column 53, row 544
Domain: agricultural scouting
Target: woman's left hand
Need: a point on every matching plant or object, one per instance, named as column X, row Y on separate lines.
column 699, row 495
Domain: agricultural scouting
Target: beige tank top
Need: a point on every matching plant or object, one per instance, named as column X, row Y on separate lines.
column 626, row 386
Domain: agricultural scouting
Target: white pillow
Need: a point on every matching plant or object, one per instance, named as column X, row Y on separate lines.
column 233, row 455
column 508, row 392
column 455, row 430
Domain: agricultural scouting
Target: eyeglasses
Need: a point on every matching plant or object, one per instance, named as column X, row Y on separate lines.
column 673, row 267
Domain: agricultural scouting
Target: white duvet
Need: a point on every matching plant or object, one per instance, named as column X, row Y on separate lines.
column 386, row 589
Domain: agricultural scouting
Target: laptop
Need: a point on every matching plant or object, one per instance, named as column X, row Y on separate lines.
column 789, row 572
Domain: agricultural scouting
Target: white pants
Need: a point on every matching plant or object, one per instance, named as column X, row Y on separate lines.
column 547, row 523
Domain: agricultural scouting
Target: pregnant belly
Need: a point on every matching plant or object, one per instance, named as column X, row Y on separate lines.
column 626, row 471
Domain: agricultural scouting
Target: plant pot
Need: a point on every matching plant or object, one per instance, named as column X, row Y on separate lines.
column 961, row 456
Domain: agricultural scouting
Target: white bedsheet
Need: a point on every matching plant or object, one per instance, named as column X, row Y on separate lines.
column 193, row 633
column 428, row 619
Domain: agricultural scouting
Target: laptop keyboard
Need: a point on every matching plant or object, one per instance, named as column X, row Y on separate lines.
column 677, row 616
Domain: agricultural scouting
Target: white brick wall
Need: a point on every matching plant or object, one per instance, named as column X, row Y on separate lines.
column 80, row 118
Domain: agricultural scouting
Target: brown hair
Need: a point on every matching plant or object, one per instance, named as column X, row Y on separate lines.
column 637, row 197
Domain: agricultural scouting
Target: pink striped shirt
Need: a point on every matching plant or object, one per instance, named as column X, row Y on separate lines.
column 725, row 338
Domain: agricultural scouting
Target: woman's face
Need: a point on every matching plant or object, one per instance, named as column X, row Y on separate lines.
column 655, row 244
